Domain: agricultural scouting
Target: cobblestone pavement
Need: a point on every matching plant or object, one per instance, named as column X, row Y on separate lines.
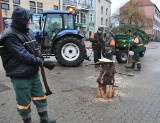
column 74, row 99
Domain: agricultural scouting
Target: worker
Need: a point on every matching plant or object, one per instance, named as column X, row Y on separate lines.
column 97, row 41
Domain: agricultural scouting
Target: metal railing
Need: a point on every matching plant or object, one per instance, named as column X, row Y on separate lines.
column 76, row 4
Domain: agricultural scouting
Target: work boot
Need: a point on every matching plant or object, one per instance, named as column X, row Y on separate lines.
column 138, row 67
column 44, row 118
column 27, row 120
column 132, row 66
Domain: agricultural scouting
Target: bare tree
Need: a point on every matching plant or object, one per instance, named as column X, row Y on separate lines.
column 132, row 13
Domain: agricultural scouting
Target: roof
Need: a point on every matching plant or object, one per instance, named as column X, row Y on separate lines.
column 55, row 12
column 141, row 3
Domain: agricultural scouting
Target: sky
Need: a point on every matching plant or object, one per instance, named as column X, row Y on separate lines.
column 118, row 3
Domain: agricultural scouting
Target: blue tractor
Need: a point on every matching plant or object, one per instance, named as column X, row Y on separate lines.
column 58, row 37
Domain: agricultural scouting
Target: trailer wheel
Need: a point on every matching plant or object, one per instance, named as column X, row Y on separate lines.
column 70, row 52
column 121, row 56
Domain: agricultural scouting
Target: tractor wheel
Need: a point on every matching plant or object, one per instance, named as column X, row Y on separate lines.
column 70, row 51
column 121, row 56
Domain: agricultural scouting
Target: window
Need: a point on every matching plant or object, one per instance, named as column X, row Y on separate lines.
column 106, row 11
column 33, row 10
column 39, row 11
column 83, row 18
column 5, row 6
column 16, row 1
column 55, row 7
column 40, row 5
column 15, row 6
column 5, row 0
column 101, row 9
column 53, row 25
column 106, row 22
column 91, row 17
column 101, row 20
column 77, row 17
column 32, row 3
column 68, row 21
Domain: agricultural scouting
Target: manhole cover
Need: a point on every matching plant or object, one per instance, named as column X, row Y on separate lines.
column 3, row 87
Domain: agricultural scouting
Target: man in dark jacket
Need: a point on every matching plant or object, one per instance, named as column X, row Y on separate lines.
column 97, row 41
column 22, row 66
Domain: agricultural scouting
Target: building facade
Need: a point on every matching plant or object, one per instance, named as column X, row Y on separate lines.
column 36, row 6
column 151, row 11
column 103, row 14
column 91, row 14
column 85, row 14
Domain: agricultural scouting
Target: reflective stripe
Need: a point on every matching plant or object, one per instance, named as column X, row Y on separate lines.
column 39, row 98
column 92, row 36
column 23, row 107
column 29, row 42
column 138, row 62
column 112, row 43
column 139, row 44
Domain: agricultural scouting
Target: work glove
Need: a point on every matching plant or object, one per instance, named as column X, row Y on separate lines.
column 49, row 64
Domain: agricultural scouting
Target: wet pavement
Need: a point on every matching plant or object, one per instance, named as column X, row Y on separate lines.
column 74, row 99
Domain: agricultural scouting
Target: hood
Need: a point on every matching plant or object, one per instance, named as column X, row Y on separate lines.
column 20, row 18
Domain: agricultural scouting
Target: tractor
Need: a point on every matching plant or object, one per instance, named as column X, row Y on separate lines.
column 58, row 37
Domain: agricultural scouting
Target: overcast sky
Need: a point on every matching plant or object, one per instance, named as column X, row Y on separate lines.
column 118, row 3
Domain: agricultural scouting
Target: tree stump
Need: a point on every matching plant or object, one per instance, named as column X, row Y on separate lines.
column 105, row 80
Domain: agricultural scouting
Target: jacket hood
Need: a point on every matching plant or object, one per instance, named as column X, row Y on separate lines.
column 20, row 17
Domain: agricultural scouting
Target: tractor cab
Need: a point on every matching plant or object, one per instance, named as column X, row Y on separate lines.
column 55, row 21
column 58, row 37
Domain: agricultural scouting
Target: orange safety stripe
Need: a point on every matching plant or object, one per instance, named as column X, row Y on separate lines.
column 39, row 98
column 112, row 43
column 140, row 45
column 136, row 40
column 23, row 107
column 138, row 62
column 133, row 61
column 92, row 36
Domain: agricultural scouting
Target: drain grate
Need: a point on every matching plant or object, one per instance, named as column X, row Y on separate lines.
column 3, row 87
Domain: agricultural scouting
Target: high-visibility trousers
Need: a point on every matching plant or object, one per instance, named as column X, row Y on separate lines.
column 28, row 90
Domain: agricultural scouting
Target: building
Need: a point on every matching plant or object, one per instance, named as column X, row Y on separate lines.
column 103, row 14
column 85, row 12
column 151, row 11
column 91, row 14
column 36, row 6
